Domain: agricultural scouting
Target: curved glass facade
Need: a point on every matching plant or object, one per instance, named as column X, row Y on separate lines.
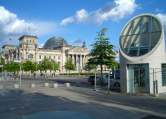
column 140, row 35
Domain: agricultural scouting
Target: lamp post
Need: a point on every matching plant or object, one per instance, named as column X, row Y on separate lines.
column 19, row 61
column 108, row 82
column 95, row 82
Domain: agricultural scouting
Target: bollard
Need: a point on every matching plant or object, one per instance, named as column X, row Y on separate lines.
column 33, row 85
column 55, row 85
column 68, row 85
column 16, row 86
column 46, row 84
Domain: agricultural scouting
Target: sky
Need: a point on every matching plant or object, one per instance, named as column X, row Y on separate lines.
column 74, row 20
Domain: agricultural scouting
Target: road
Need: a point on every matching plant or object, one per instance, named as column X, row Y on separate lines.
column 75, row 102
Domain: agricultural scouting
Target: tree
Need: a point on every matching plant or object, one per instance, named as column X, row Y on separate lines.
column 69, row 65
column 102, row 52
column 12, row 67
column 90, row 66
column 45, row 65
column 2, row 63
column 55, row 65
column 29, row 66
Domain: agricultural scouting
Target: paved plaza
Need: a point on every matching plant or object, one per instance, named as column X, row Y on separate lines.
column 41, row 102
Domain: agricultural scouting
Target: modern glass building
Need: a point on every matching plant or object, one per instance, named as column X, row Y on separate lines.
column 143, row 55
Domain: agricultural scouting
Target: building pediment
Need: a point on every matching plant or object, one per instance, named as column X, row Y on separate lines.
column 76, row 50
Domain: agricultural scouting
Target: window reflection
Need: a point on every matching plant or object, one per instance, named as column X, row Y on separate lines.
column 140, row 35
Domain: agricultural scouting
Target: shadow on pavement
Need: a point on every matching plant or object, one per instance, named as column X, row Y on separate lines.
column 152, row 117
column 19, row 104
column 142, row 102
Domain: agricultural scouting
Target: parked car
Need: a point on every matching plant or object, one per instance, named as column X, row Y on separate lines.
column 91, row 79
column 114, row 80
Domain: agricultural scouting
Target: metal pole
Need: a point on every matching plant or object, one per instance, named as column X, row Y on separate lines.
column 154, row 84
column 3, row 74
column 108, row 82
column 20, row 75
column 53, row 70
column 95, row 82
column 156, row 87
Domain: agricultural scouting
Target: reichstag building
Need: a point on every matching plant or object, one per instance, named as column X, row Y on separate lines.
column 55, row 48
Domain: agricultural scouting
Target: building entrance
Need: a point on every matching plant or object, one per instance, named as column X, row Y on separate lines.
column 138, row 78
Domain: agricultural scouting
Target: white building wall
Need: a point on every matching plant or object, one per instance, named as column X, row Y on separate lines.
column 154, row 58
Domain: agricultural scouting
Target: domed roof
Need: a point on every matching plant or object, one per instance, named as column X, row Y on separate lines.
column 55, row 42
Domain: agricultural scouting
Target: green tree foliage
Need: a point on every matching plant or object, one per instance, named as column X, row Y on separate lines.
column 2, row 62
column 12, row 67
column 102, row 52
column 90, row 66
column 55, row 65
column 29, row 66
column 45, row 65
column 69, row 65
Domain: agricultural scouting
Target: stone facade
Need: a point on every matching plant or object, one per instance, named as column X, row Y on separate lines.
column 28, row 50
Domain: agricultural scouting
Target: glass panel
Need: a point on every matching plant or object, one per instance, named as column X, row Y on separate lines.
column 154, row 36
column 145, row 25
column 133, row 51
column 155, row 25
column 164, row 74
column 138, row 77
column 130, row 81
column 127, row 29
column 144, row 42
column 137, row 25
column 140, row 35
column 143, row 50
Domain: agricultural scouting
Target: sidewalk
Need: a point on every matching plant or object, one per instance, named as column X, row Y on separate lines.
column 156, row 105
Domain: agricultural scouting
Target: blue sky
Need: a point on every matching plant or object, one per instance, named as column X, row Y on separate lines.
column 75, row 20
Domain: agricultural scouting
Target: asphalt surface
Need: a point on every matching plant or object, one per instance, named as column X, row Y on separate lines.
column 79, row 101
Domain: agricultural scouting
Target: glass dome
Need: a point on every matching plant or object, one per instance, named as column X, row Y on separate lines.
column 140, row 35
column 55, row 42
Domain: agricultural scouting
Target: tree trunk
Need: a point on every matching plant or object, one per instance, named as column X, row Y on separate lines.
column 45, row 74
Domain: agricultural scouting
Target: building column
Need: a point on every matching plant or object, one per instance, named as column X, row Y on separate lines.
column 81, row 66
column 83, row 62
column 72, row 56
column 83, row 59
column 86, row 59
column 76, row 62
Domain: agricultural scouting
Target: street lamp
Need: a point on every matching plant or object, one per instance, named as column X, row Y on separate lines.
column 108, row 82
column 19, row 61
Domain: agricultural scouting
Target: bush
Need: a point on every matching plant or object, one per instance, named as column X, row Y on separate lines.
column 77, row 74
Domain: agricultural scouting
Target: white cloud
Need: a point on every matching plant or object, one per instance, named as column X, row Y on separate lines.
column 162, row 17
column 41, row 45
column 67, row 21
column 80, row 16
column 12, row 27
column 119, row 10
column 44, row 27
